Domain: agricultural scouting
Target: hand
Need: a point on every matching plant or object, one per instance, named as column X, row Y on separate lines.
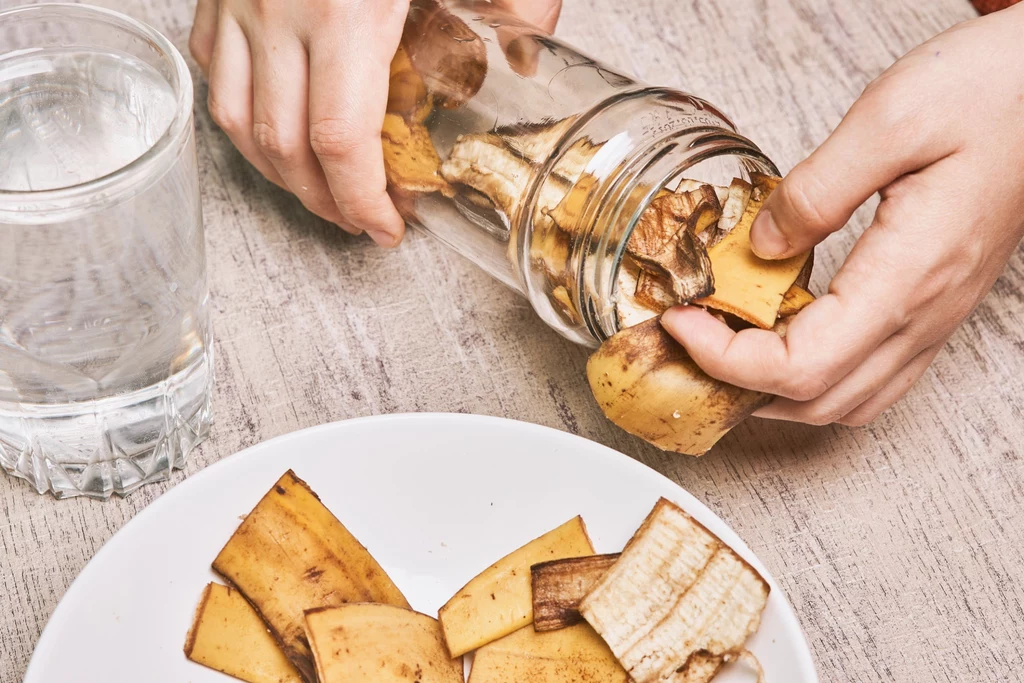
column 301, row 89
column 940, row 136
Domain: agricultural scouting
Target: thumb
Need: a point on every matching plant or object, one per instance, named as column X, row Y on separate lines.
column 871, row 148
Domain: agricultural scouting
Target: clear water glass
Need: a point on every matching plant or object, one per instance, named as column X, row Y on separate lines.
column 105, row 365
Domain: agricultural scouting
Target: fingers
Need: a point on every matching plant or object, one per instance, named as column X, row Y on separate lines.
column 541, row 13
column 896, row 389
column 880, row 139
column 204, row 31
column 824, row 343
column 869, row 378
column 348, row 97
column 281, row 121
column 230, row 96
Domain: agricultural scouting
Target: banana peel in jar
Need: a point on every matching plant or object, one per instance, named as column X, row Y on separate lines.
column 407, row 93
column 746, row 286
column 411, row 162
column 644, row 381
column 449, row 56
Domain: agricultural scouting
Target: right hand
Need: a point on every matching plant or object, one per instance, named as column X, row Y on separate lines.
column 300, row 88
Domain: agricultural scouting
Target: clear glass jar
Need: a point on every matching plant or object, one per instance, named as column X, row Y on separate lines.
column 548, row 157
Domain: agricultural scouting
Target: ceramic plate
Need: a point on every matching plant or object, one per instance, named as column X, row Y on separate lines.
column 435, row 498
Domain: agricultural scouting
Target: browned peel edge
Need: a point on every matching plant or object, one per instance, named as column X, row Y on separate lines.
column 190, row 639
column 574, row 560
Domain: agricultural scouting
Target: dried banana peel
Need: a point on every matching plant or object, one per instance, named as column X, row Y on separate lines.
column 499, row 600
column 485, row 164
column 571, row 655
column 664, row 240
column 291, row 554
column 407, row 93
column 746, row 286
column 535, row 142
column 560, row 585
column 653, row 293
column 410, row 160
column 449, row 56
column 795, row 300
column 228, row 636
column 678, row 603
column 629, row 310
column 646, row 384
column 379, row 643
column 733, row 206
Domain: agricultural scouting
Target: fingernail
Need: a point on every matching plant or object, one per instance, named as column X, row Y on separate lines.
column 672, row 317
column 384, row 239
column 766, row 239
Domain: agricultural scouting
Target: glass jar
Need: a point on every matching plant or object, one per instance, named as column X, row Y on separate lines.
column 545, row 158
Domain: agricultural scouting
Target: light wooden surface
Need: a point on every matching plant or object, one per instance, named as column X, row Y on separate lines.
column 899, row 544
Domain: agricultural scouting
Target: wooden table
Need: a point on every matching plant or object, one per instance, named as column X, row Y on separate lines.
column 899, row 544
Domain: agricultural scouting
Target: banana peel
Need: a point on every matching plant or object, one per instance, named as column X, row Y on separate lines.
column 571, row 655
column 642, row 379
column 560, row 585
column 665, row 241
column 411, row 162
column 645, row 383
column 291, row 554
column 227, row 635
column 795, row 300
column 498, row 600
column 747, row 286
column 407, row 93
column 449, row 56
column 380, row 643
column 678, row 603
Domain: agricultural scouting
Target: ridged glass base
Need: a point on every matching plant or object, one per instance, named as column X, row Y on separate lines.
column 113, row 445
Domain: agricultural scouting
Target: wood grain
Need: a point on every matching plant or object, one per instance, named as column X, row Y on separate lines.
column 899, row 544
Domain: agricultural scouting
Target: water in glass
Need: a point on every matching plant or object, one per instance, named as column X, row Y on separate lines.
column 105, row 368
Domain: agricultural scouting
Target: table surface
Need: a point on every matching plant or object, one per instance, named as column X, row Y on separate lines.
column 899, row 544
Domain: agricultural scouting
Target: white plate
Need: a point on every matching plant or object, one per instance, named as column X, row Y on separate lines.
column 435, row 498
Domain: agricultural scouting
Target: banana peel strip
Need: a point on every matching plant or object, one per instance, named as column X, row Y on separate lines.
column 678, row 602
column 227, row 635
column 746, row 286
column 665, row 241
column 560, row 585
column 291, row 554
column 411, row 162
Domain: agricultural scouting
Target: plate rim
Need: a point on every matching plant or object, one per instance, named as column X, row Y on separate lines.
column 236, row 459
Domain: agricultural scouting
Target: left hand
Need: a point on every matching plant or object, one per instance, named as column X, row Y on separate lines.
column 940, row 136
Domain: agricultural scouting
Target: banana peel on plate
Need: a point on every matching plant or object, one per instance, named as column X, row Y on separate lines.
column 678, row 603
column 643, row 380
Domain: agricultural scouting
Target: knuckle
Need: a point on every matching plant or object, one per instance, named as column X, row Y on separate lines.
column 274, row 142
column 804, row 386
column 224, row 115
column 884, row 103
column 198, row 47
column 334, row 139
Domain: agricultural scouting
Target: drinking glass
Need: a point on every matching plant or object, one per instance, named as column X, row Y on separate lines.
column 105, row 364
